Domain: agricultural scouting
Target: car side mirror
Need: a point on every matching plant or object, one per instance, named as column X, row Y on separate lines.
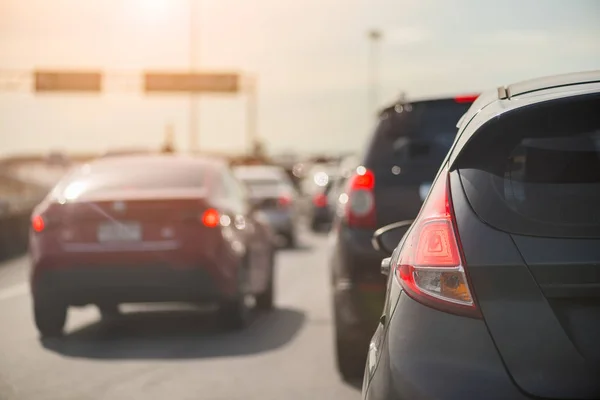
column 387, row 238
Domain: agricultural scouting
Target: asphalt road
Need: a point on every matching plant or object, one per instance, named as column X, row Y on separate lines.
column 178, row 353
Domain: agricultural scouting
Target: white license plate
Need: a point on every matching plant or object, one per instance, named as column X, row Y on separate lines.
column 119, row 232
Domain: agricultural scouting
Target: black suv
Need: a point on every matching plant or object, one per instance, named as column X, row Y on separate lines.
column 494, row 290
column 394, row 176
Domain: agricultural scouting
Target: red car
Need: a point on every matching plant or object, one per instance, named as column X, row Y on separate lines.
column 148, row 228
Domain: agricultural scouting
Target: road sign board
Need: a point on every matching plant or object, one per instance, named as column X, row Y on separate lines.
column 196, row 82
column 67, row 81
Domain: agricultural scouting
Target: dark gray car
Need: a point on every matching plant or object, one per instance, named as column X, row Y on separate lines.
column 494, row 291
column 394, row 174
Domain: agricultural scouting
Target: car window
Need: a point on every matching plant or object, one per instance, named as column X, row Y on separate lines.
column 90, row 180
column 418, row 132
column 258, row 184
column 230, row 186
column 538, row 172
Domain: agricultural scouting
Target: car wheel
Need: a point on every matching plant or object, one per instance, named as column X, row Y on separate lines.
column 235, row 313
column 265, row 300
column 350, row 365
column 292, row 239
column 50, row 318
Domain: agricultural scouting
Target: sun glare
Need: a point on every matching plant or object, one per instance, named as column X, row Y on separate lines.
column 152, row 9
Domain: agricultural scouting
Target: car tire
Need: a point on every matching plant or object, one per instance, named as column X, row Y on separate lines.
column 350, row 365
column 292, row 240
column 234, row 314
column 50, row 318
column 265, row 300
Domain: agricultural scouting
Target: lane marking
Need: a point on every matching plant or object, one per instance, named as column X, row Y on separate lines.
column 14, row 291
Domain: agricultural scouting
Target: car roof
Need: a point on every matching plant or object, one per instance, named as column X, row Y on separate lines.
column 259, row 172
column 508, row 98
column 155, row 160
column 430, row 99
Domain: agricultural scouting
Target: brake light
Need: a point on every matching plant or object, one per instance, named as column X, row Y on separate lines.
column 468, row 98
column 430, row 266
column 211, row 218
column 320, row 200
column 360, row 207
column 37, row 223
column 284, row 201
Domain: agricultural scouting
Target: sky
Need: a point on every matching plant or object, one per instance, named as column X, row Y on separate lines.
column 310, row 58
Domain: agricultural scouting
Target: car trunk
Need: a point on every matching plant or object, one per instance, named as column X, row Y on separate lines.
column 269, row 195
column 544, row 316
column 129, row 217
column 568, row 274
column 532, row 243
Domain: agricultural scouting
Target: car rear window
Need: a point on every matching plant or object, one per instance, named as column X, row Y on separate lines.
column 536, row 170
column 417, row 133
column 92, row 180
column 259, row 183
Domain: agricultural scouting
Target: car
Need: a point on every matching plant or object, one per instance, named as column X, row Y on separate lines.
column 316, row 177
column 148, row 229
column 271, row 190
column 326, row 203
column 493, row 291
column 322, row 211
column 389, row 184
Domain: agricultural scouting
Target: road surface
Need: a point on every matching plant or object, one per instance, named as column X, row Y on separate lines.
column 178, row 354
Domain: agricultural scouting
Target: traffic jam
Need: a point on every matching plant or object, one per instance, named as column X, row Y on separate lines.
column 457, row 257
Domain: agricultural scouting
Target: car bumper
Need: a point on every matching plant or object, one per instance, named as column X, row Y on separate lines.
column 127, row 284
column 428, row 354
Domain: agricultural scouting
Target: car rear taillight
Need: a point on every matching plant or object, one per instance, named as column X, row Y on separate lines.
column 211, row 218
column 37, row 223
column 320, row 200
column 468, row 98
column 430, row 266
column 284, row 201
column 360, row 207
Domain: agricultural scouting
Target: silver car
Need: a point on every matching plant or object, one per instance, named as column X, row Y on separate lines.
column 271, row 190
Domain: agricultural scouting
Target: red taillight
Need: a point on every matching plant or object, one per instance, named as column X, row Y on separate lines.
column 320, row 200
column 360, row 206
column 37, row 223
column 211, row 218
column 284, row 201
column 469, row 98
column 430, row 266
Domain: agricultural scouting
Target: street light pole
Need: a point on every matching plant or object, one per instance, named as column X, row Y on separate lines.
column 251, row 113
column 194, row 112
column 374, row 36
